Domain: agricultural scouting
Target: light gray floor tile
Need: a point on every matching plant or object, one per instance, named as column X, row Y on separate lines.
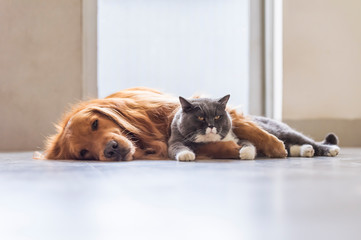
column 294, row 198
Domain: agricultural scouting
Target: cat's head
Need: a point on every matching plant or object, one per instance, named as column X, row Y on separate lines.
column 204, row 119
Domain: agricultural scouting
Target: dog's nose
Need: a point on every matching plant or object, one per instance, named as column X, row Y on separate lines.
column 114, row 151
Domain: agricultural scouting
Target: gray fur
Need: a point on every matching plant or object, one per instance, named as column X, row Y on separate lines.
column 186, row 126
column 291, row 137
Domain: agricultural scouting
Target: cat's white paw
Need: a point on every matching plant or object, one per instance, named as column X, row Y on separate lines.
column 248, row 152
column 295, row 150
column 307, row 150
column 333, row 151
column 185, row 156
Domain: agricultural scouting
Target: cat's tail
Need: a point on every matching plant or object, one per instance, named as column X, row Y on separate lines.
column 330, row 139
column 328, row 147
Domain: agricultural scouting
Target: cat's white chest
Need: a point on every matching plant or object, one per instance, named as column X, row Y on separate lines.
column 212, row 137
column 230, row 137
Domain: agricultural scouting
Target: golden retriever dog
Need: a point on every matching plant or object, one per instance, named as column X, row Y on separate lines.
column 135, row 124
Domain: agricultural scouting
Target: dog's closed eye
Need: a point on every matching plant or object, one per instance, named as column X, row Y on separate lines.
column 95, row 125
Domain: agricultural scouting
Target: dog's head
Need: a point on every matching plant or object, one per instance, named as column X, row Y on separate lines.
column 96, row 132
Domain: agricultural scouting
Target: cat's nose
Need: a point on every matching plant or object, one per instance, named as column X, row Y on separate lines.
column 210, row 126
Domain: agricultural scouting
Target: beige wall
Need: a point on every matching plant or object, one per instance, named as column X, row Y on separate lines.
column 322, row 62
column 322, row 59
column 40, row 68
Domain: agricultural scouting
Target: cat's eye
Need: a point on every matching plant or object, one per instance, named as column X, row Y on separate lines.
column 200, row 118
column 95, row 125
column 217, row 117
column 83, row 152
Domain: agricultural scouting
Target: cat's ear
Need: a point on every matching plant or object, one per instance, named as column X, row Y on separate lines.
column 186, row 105
column 224, row 100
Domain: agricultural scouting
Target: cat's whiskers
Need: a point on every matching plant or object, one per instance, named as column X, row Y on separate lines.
column 191, row 136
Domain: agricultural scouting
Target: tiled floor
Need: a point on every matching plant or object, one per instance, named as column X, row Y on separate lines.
column 295, row 198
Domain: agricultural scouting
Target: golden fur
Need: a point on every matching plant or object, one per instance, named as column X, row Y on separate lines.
column 139, row 119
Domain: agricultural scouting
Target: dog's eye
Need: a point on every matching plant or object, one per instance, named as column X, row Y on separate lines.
column 83, row 152
column 95, row 125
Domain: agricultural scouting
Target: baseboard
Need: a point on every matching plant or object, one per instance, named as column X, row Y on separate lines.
column 347, row 130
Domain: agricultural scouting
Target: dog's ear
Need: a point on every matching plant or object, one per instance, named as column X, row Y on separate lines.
column 116, row 116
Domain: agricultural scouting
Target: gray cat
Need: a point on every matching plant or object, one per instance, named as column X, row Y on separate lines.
column 200, row 121
column 206, row 120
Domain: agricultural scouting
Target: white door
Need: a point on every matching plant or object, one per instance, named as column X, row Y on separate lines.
column 178, row 46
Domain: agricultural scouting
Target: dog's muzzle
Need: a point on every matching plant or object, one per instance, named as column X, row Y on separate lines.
column 115, row 152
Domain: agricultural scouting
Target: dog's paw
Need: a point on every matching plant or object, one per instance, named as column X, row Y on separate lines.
column 307, row 150
column 185, row 156
column 333, row 151
column 247, row 152
column 274, row 148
